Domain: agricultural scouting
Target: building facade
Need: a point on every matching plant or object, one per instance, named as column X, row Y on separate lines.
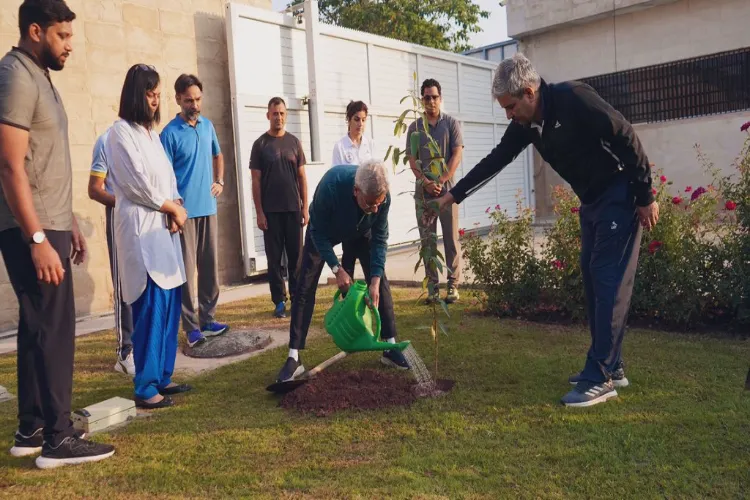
column 678, row 69
column 495, row 51
column 175, row 36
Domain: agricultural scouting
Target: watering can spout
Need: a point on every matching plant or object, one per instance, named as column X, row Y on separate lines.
column 349, row 322
column 382, row 346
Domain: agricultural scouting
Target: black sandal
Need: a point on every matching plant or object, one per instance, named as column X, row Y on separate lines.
column 144, row 405
column 175, row 389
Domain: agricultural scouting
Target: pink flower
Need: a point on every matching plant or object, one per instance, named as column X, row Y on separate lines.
column 653, row 191
column 575, row 210
column 558, row 264
column 497, row 207
column 697, row 193
column 676, row 200
column 654, row 246
column 745, row 126
column 688, row 189
column 663, row 178
column 488, row 210
column 461, row 232
column 730, row 205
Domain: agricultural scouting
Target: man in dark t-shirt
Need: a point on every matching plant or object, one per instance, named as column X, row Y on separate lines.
column 277, row 163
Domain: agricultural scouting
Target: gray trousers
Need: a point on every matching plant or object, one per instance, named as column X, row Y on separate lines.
column 199, row 243
column 123, row 311
column 449, row 224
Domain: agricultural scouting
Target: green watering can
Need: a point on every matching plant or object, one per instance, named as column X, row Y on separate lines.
column 349, row 322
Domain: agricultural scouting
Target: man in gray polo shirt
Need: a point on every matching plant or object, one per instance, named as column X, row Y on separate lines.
column 447, row 133
column 39, row 236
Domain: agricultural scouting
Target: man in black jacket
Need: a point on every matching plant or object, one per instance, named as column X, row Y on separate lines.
column 597, row 151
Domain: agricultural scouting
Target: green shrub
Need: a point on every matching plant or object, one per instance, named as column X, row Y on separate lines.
column 693, row 270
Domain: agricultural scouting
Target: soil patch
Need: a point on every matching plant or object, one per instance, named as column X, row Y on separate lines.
column 330, row 392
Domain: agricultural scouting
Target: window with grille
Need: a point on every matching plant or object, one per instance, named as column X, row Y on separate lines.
column 706, row 85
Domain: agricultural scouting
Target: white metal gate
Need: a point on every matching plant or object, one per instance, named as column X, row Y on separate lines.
column 268, row 56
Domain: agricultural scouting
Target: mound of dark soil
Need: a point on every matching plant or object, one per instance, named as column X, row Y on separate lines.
column 330, row 392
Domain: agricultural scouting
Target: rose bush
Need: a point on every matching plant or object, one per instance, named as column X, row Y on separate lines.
column 693, row 269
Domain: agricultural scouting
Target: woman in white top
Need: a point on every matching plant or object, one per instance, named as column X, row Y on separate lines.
column 147, row 217
column 353, row 149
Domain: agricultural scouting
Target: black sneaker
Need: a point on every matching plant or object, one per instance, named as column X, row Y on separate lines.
column 27, row 445
column 433, row 298
column 73, row 450
column 619, row 379
column 395, row 359
column 291, row 369
column 31, row 445
column 588, row 393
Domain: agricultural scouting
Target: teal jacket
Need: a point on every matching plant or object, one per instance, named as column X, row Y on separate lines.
column 335, row 217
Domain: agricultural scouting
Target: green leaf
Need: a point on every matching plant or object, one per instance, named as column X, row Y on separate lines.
column 424, row 282
column 445, row 307
column 404, row 98
column 443, row 328
column 388, row 153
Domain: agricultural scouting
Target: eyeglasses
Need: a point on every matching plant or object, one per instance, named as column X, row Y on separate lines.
column 144, row 67
column 428, row 98
column 367, row 205
column 374, row 205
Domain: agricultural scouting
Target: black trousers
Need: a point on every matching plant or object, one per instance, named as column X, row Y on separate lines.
column 46, row 337
column 307, row 284
column 610, row 243
column 284, row 233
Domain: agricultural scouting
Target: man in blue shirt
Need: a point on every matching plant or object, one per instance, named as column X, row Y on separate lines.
column 192, row 146
column 100, row 191
column 350, row 206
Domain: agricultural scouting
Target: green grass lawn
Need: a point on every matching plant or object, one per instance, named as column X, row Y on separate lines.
column 682, row 430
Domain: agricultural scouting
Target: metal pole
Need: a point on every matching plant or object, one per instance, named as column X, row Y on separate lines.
column 316, row 110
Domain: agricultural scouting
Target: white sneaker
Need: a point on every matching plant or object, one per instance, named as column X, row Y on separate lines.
column 126, row 366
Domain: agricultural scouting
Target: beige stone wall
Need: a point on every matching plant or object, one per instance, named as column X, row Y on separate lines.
column 667, row 32
column 526, row 17
column 175, row 36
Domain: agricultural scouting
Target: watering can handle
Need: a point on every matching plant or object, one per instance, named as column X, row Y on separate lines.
column 376, row 313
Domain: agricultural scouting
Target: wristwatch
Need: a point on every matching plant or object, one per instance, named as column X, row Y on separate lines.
column 219, row 182
column 38, row 238
column 335, row 269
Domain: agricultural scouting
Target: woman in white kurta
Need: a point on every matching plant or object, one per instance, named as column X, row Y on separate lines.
column 353, row 149
column 147, row 216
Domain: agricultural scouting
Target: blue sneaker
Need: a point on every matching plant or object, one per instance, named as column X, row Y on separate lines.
column 588, row 393
column 280, row 311
column 195, row 338
column 214, row 329
column 395, row 359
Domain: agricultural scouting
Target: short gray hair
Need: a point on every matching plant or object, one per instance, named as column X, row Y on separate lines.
column 372, row 178
column 513, row 75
